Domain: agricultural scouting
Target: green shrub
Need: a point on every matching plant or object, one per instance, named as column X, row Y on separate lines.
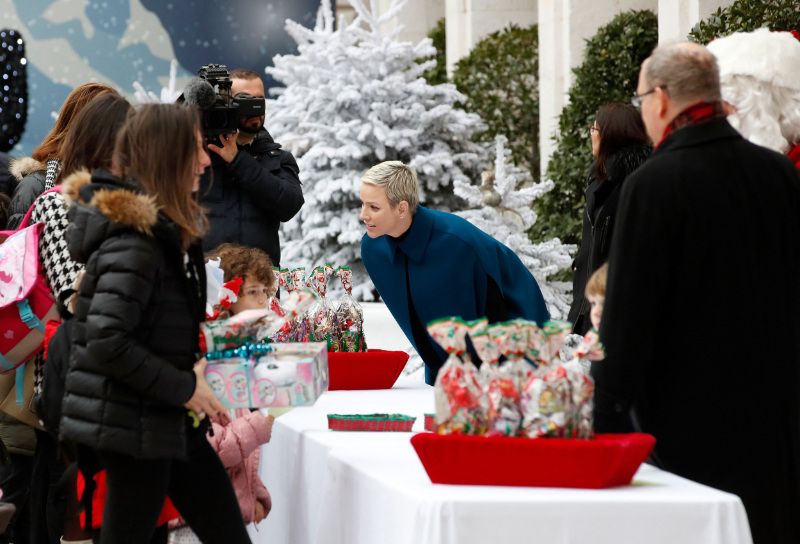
column 438, row 74
column 746, row 16
column 609, row 73
column 500, row 78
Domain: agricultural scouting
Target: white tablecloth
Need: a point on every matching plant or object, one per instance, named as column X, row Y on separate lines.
column 367, row 488
column 336, row 488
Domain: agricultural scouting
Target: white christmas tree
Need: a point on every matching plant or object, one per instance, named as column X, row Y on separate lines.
column 502, row 208
column 168, row 95
column 355, row 96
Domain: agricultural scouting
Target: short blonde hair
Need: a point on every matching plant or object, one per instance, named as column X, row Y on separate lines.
column 398, row 179
column 596, row 286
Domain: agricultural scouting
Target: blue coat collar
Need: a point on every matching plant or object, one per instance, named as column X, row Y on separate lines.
column 415, row 241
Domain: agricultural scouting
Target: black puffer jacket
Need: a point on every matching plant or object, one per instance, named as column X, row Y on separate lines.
column 135, row 335
column 602, row 198
column 30, row 176
column 249, row 198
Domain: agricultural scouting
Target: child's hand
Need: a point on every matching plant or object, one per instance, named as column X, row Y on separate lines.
column 203, row 401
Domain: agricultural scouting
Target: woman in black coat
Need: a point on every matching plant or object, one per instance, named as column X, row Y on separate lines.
column 619, row 146
column 134, row 372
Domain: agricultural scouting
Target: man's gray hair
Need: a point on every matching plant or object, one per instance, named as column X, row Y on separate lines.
column 687, row 71
column 398, row 180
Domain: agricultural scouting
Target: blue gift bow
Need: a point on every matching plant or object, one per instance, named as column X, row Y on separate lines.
column 247, row 352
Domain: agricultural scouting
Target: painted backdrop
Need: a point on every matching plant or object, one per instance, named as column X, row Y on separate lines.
column 121, row 41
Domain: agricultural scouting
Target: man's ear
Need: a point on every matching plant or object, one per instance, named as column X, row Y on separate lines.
column 663, row 102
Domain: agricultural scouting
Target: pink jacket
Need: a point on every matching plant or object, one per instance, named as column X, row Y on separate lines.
column 237, row 444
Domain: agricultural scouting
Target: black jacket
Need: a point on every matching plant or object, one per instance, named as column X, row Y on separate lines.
column 7, row 182
column 702, row 319
column 602, row 198
column 136, row 324
column 30, row 176
column 249, row 198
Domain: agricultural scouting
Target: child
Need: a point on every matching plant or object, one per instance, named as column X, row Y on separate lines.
column 237, row 443
column 596, row 294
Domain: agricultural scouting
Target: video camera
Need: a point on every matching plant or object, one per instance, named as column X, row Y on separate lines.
column 220, row 111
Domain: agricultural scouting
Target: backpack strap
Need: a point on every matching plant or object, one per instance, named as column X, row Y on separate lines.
column 27, row 219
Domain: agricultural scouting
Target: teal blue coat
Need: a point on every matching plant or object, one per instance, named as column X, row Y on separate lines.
column 450, row 262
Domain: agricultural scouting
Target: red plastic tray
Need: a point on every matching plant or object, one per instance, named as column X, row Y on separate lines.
column 373, row 369
column 608, row 460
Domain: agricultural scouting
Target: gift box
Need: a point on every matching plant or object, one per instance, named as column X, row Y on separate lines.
column 371, row 422
column 269, row 375
column 373, row 369
column 430, row 422
column 607, row 460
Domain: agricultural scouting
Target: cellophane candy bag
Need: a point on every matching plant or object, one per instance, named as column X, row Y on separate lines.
column 350, row 315
column 501, row 381
column 322, row 318
column 458, row 392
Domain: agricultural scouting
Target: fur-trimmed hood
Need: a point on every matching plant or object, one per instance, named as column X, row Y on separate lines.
column 25, row 166
column 102, row 205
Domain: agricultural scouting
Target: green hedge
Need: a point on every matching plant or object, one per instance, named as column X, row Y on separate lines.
column 746, row 16
column 500, row 78
column 438, row 74
column 609, row 72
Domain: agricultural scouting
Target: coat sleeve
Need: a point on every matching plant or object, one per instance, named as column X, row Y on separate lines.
column 59, row 267
column 522, row 295
column 235, row 441
column 278, row 192
column 25, row 193
column 638, row 278
column 126, row 272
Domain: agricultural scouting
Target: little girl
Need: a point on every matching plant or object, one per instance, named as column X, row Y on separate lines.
column 237, row 443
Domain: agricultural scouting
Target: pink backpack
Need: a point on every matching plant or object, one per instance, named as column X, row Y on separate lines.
column 26, row 302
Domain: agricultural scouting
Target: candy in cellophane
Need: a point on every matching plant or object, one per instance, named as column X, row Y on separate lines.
column 349, row 315
column 460, row 406
column 252, row 326
column 502, row 380
column 322, row 318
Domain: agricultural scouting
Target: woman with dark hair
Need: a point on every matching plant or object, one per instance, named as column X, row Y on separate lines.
column 38, row 173
column 33, row 176
column 134, row 375
column 88, row 146
column 619, row 146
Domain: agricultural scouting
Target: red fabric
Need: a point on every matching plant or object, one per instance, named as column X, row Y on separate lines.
column 697, row 113
column 607, row 460
column 796, row 34
column 392, row 425
column 50, row 329
column 373, row 369
column 794, row 155
column 168, row 512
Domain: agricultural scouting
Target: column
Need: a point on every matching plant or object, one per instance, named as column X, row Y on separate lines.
column 469, row 21
column 564, row 27
column 677, row 17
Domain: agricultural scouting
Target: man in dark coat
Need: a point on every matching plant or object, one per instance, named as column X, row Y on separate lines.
column 702, row 311
column 253, row 185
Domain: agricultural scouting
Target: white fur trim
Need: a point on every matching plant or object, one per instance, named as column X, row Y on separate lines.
column 772, row 57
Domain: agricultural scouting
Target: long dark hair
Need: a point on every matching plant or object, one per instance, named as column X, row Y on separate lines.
column 90, row 139
column 80, row 96
column 157, row 146
column 620, row 126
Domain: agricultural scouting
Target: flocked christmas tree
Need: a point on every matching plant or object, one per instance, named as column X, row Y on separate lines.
column 502, row 208
column 168, row 95
column 354, row 96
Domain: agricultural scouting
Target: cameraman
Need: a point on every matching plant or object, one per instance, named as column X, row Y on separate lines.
column 254, row 184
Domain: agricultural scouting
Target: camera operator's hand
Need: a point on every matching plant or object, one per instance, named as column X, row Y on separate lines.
column 229, row 149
